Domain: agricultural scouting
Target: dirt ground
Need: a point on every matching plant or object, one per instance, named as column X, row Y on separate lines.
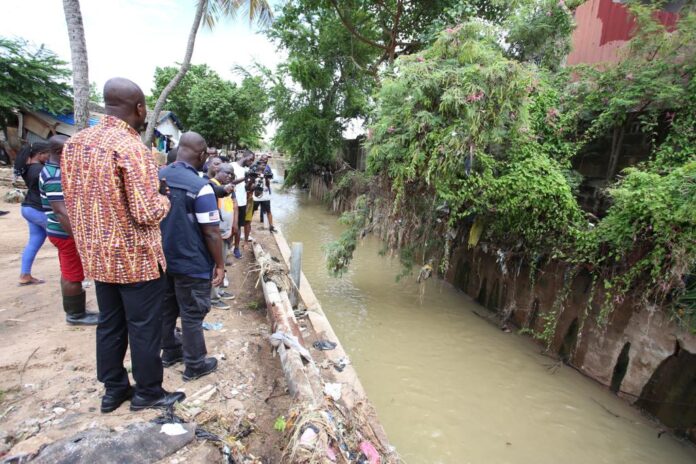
column 48, row 385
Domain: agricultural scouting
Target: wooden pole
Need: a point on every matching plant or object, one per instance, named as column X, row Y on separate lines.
column 304, row 381
column 295, row 271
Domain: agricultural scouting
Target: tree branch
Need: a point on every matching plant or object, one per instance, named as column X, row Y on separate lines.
column 353, row 31
column 395, row 30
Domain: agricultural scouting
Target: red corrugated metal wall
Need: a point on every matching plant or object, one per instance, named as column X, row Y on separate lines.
column 603, row 28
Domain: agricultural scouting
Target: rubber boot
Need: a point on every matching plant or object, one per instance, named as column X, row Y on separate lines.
column 75, row 312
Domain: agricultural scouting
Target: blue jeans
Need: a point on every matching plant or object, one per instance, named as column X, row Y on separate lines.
column 37, row 236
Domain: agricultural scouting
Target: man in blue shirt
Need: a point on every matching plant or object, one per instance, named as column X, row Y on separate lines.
column 193, row 248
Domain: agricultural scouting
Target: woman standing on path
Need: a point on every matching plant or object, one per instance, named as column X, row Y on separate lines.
column 30, row 161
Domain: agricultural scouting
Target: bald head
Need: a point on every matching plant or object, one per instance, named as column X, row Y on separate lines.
column 125, row 100
column 192, row 149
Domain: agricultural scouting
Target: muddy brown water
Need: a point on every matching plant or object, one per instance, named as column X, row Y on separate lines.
column 450, row 387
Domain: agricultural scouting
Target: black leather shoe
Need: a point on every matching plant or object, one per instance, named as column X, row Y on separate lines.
column 86, row 318
column 169, row 359
column 111, row 402
column 209, row 365
column 138, row 403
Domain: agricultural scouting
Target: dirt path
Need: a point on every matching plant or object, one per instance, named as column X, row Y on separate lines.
column 48, row 386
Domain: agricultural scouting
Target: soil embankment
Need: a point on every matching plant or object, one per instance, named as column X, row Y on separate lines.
column 49, row 390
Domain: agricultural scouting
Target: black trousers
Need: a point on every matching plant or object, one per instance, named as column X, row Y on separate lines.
column 130, row 312
column 188, row 298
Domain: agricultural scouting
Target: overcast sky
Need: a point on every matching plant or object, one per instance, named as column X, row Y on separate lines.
column 130, row 38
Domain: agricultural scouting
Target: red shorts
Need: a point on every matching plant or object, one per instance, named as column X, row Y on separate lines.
column 70, row 263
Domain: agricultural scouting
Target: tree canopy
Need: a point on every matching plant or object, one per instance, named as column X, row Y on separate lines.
column 221, row 111
column 337, row 55
column 32, row 78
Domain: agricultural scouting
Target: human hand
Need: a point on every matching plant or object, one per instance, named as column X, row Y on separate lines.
column 218, row 276
column 163, row 187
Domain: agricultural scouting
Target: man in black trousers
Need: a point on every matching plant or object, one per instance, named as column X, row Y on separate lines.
column 193, row 247
column 115, row 205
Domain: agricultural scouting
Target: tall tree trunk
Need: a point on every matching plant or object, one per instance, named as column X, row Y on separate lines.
column 80, row 68
column 185, row 65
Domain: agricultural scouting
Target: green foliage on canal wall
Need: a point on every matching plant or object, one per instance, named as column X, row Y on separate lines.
column 469, row 130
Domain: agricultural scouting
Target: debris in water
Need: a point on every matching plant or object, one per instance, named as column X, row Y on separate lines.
column 425, row 272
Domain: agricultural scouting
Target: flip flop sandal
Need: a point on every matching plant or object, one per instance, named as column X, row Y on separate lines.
column 31, row 282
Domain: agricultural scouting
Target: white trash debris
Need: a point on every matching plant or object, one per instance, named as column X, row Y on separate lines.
column 333, row 390
column 173, row 429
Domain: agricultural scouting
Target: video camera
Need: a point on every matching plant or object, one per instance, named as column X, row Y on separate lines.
column 255, row 170
column 257, row 174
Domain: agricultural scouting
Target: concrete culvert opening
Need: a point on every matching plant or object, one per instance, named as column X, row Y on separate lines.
column 534, row 314
column 670, row 394
column 481, row 298
column 492, row 303
column 569, row 340
column 461, row 278
column 620, row 368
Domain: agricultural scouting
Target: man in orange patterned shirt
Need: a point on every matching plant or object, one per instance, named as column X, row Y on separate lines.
column 113, row 200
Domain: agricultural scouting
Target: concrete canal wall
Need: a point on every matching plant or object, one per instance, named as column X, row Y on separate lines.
column 323, row 383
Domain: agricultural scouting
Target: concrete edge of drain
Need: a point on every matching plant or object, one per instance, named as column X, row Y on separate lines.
column 355, row 394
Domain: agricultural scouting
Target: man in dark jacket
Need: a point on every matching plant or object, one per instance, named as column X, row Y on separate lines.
column 193, row 248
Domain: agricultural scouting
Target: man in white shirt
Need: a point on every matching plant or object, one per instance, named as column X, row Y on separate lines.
column 241, row 167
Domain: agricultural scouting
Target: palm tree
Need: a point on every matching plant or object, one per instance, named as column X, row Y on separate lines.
column 208, row 12
column 78, row 56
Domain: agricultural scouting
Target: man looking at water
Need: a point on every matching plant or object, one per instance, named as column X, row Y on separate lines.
column 241, row 180
column 228, row 226
column 193, row 247
column 59, row 233
column 114, row 204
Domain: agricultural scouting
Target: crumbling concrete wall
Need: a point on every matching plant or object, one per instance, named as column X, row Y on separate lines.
column 622, row 353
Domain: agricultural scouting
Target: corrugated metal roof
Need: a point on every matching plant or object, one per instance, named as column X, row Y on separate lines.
column 69, row 118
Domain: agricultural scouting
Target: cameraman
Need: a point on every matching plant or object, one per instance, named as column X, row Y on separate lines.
column 263, row 198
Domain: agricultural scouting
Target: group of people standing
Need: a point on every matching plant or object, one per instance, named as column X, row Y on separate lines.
column 155, row 241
